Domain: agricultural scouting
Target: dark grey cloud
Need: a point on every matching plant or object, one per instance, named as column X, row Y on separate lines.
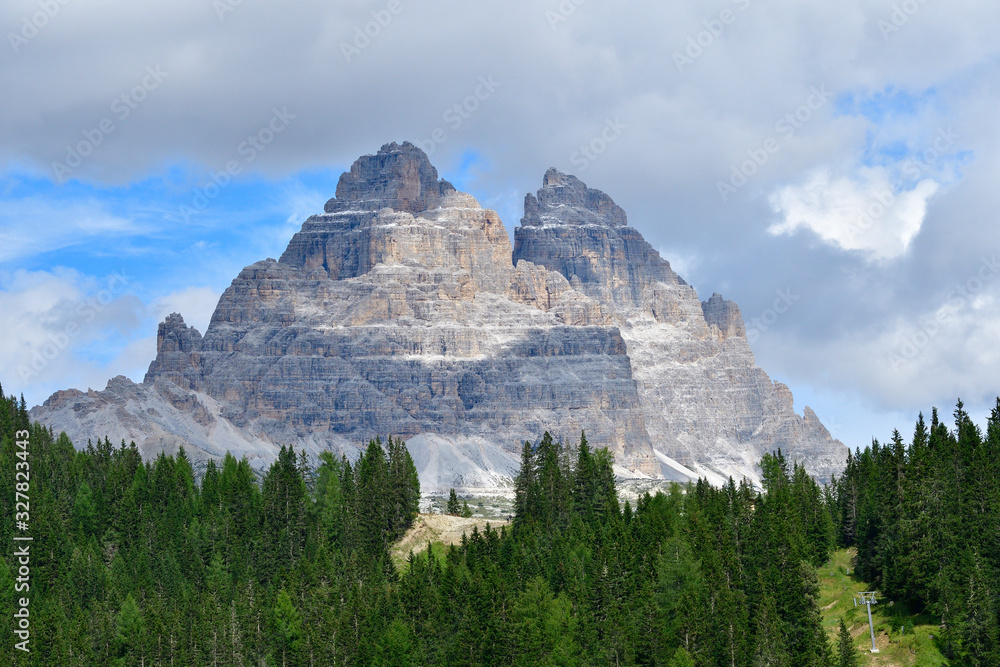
column 693, row 89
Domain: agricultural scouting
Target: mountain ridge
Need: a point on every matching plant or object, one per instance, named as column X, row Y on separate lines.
column 404, row 309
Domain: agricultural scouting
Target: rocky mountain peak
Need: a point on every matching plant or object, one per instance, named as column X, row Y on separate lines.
column 174, row 335
column 400, row 311
column 399, row 176
column 565, row 199
column 723, row 315
column 580, row 231
column 176, row 342
column 553, row 177
column 392, row 210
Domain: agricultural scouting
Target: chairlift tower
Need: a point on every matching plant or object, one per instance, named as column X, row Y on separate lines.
column 868, row 599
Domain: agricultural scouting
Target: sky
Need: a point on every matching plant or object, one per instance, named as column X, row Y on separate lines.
column 831, row 167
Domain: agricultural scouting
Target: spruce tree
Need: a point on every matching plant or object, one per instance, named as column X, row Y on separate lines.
column 525, row 486
column 373, row 500
column 847, row 654
column 584, row 491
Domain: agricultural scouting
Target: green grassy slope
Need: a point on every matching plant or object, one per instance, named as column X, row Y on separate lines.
column 903, row 639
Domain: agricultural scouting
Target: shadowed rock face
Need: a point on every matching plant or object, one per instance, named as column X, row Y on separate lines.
column 398, row 177
column 578, row 231
column 724, row 316
column 706, row 405
column 403, row 309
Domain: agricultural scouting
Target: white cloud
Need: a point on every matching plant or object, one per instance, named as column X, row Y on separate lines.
column 34, row 225
column 684, row 262
column 864, row 213
column 63, row 328
column 195, row 304
column 939, row 353
column 66, row 329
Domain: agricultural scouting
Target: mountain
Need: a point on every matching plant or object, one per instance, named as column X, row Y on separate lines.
column 402, row 309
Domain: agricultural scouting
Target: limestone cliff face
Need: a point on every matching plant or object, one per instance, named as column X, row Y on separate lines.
column 707, row 407
column 578, row 231
column 403, row 309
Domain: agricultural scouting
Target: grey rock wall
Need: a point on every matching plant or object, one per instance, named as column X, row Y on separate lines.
column 403, row 310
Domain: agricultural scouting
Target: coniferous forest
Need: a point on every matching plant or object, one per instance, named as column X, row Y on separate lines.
column 137, row 563
column 925, row 518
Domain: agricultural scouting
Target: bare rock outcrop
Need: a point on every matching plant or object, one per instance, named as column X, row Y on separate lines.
column 403, row 309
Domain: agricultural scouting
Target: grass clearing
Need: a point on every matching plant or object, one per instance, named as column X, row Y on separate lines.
column 903, row 639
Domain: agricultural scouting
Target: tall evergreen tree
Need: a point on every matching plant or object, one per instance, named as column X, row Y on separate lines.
column 847, row 654
column 525, row 486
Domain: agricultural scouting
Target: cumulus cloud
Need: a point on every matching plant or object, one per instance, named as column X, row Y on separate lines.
column 864, row 213
column 195, row 304
column 560, row 83
column 945, row 350
column 64, row 328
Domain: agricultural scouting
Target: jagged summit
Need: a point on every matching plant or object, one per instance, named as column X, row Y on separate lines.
column 403, row 309
column 176, row 342
column 580, row 231
column 392, row 210
column 399, row 176
column 566, row 200
column 724, row 315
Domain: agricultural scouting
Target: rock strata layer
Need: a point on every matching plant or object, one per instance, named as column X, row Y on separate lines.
column 403, row 309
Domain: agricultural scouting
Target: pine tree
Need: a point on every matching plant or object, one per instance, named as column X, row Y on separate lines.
column 847, row 654
column 769, row 646
column 978, row 630
column 453, row 506
column 604, row 489
column 373, row 501
column 584, row 483
column 328, row 504
column 84, row 510
column 287, row 629
column 553, row 483
column 283, row 516
column 525, row 504
column 404, row 488
column 543, row 627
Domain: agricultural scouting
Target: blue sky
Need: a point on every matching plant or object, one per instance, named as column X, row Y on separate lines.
column 861, row 163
